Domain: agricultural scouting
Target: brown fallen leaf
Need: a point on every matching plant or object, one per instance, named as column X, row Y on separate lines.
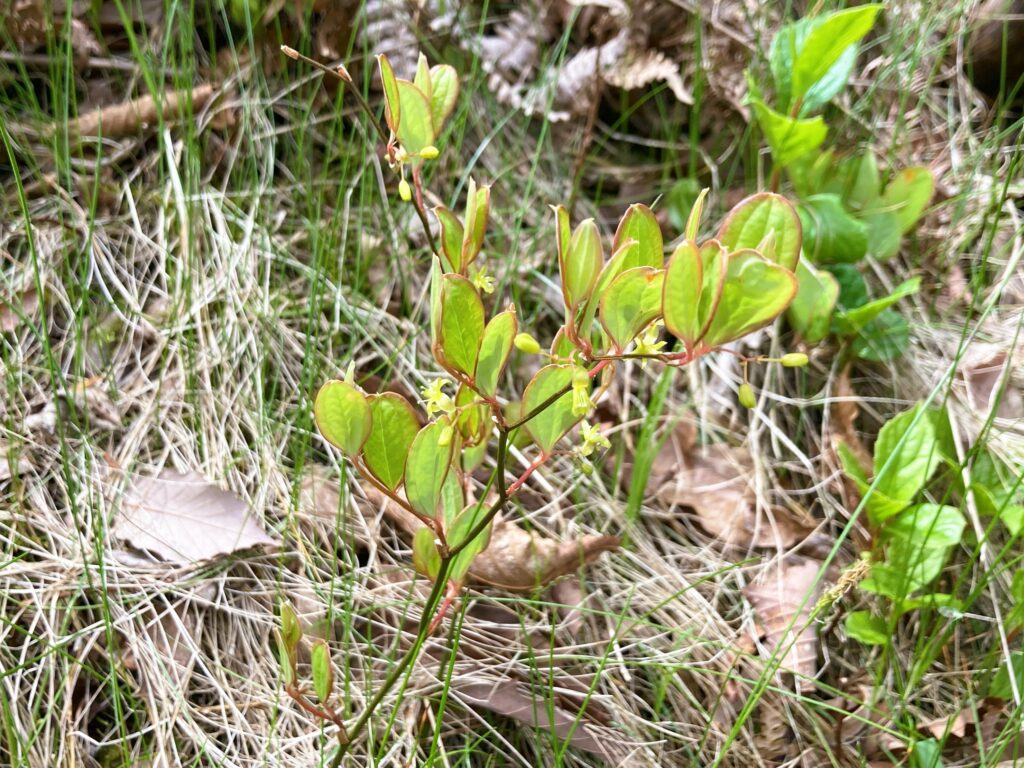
column 984, row 369
column 186, row 519
column 515, row 559
column 715, row 483
column 130, row 117
column 783, row 601
column 14, row 310
column 843, row 412
column 529, row 706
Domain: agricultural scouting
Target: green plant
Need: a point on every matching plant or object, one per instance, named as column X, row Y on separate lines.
column 846, row 212
column 913, row 538
column 707, row 294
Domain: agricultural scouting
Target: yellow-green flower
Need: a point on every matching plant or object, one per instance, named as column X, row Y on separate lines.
column 434, row 398
column 592, row 439
column 482, row 281
column 581, row 400
column 648, row 344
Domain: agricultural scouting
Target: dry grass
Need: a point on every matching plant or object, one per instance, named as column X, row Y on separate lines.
column 198, row 284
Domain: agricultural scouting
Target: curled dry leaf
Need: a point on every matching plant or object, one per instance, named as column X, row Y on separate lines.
column 783, row 600
column 186, row 519
column 519, row 701
column 987, row 373
column 515, row 559
column 127, row 118
column 715, row 483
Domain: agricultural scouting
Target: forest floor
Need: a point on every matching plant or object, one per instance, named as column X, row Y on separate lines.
column 179, row 276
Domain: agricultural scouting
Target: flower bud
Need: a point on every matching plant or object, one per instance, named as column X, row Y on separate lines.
column 526, row 343
column 794, row 360
column 446, row 436
column 404, row 190
column 746, row 395
column 429, row 153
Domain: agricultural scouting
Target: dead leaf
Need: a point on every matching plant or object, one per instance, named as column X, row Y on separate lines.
column 130, row 117
column 18, row 308
column 515, row 559
column 517, row 700
column 843, row 412
column 715, row 483
column 186, row 519
column 783, row 601
column 984, row 369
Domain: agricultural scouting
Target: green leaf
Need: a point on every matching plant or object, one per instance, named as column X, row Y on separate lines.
column 853, row 291
column 548, row 427
column 478, row 206
column 789, row 138
column 906, row 454
column 342, row 415
column 852, row 467
column 426, row 467
column 906, row 569
column 810, row 314
column 830, row 232
column 495, row 348
column 753, row 222
column 693, row 221
column 868, row 629
column 422, row 78
column 928, row 526
column 640, row 225
column 462, row 324
column 926, row 753
column 582, row 264
column 785, row 48
column 884, row 231
column 459, row 531
column 854, row 320
column 679, row 201
column 291, row 630
column 756, row 292
column 1001, row 688
column 415, row 130
column 323, row 672
column 884, row 338
column 392, row 102
column 394, row 428
column 451, row 239
column 856, row 181
column 908, row 194
column 425, row 557
column 445, row 92
column 631, row 302
column 684, row 279
column 827, row 42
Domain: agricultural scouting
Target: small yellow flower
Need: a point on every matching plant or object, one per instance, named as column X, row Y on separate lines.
column 581, row 400
column 434, row 398
column 482, row 281
column 404, row 190
column 648, row 344
column 592, row 439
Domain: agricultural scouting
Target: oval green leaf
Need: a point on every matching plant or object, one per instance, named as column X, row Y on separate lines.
column 415, row 129
column 495, row 349
column 459, row 532
column 548, row 427
column 478, row 205
column 908, row 194
column 451, row 239
column 757, row 217
column 394, row 427
column 639, row 225
column 462, row 324
column 810, row 314
column 426, row 467
column 392, row 103
column 323, row 672
column 582, row 264
column 789, row 138
column 681, row 294
column 342, row 415
column 756, row 291
column 425, row 557
column 631, row 302
column 444, row 82
column 831, row 234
